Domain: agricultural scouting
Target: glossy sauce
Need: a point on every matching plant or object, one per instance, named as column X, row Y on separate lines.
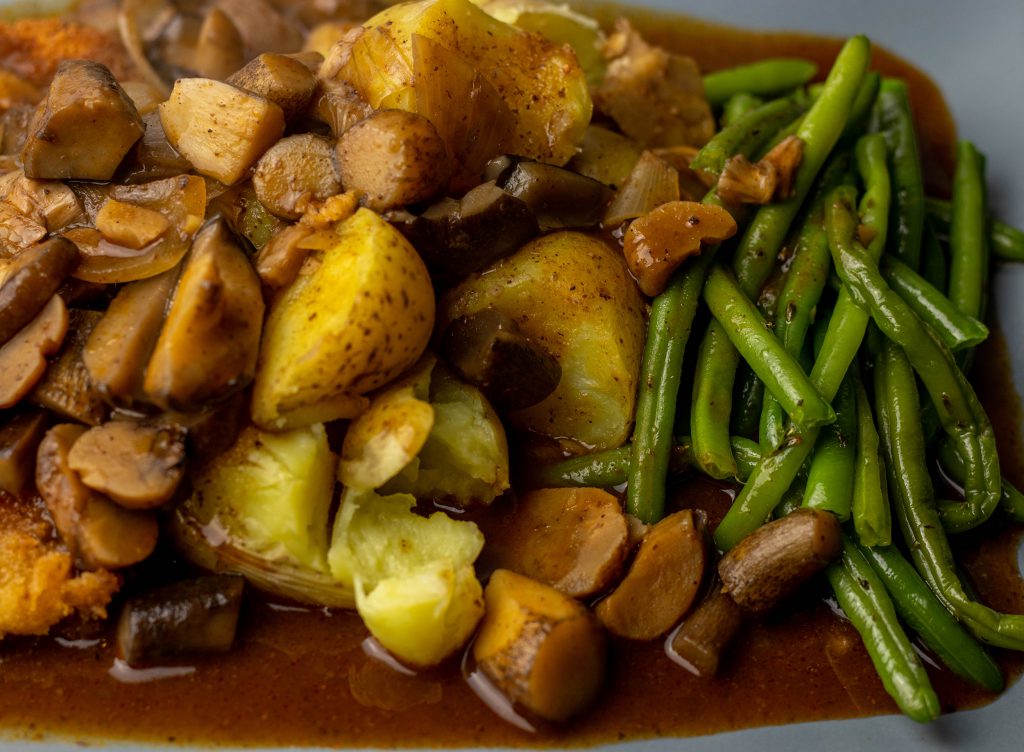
column 305, row 677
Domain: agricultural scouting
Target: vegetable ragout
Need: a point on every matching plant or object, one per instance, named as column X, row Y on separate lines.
column 435, row 312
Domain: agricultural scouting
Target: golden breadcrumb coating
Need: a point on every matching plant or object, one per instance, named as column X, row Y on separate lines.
column 38, row 586
column 33, row 47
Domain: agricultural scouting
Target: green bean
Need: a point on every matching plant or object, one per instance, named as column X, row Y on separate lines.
column 934, row 265
column 610, row 467
column 1011, row 500
column 899, row 424
column 968, row 250
column 819, row 130
column 872, row 519
column 922, row 611
column 959, row 410
column 745, row 136
column 958, row 330
column 763, row 78
column 863, row 106
column 779, row 370
column 737, row 106
column 830, row 481
column 712, row 403
column 668, row 330
column 870, row 609
column 1005, row 241
column 805, row 280
column 748, row 398
column 894, row 120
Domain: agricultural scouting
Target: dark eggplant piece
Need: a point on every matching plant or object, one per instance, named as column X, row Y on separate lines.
column 703, row 637
column 558, row 197
column 772, row 562
column 456, row 238
column 67, row 388
column 192, row 616
column 488, row 351
column 32, row 278
column 19, row 438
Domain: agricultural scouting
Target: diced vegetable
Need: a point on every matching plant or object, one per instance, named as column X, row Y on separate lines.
column 282, row 79
column 221, row 129
column 541, row 648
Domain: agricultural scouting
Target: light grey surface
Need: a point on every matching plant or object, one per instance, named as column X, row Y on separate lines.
column 975, row 50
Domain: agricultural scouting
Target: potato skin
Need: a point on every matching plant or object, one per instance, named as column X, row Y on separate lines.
column 361, row 317
column 572, row 294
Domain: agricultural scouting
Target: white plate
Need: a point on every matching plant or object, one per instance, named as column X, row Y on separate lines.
column 975, row 53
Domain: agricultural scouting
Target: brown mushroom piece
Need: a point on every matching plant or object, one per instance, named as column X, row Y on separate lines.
column 744, row 182
column 101, row 534
column 66, row 388
column 262, row 26
column 138, row 466
column 457, row 238
column 118, row 349
column 220, row 50
column 49, row 202
column 153, row 157
column 559, row 198
column 395, row 158
column 183, row 618
column 19, row 437
column 772, row 562
column 540, row 648
column 662, row 582
column 574, row 539
column 209, row 343
column 488, row 350
column 700, row 641
column 84, row 127
column 279, row 261
column 283, row 79
column 337, row 105
column 30, row 281
column 658, row 242
column 294, row 172
column 23, row 357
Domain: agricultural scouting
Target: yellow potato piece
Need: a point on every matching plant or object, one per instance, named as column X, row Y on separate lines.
column 357, row 320
column 572, row 294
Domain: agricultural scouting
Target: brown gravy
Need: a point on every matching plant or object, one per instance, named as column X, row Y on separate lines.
column 301, row 677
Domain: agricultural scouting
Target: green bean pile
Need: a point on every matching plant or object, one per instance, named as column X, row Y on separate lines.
column 846, row 394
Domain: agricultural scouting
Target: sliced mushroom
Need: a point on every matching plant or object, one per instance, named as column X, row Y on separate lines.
column 540, row 647
column 192, row 616
column 220, row 50
column 488, row 350
column 700, row 641
column 19, row 437
column 101, row 534
column 23, row 358
column 786, row 157
column 457, row 238
column 662, row 581
column 395, row 158
column 262, row 27
column 558, row 197
column 294, row 172
column 118, row 349
column 66, row 388
column 279, row 261
column 49, row 202
column 282, row 79
column 744, row 182
column 209, row 343
column 30, row 281
column 83, row 128
column 136, row 465
column 574, row 539
column 657, row 243
column 338, row 105
column 772, row 562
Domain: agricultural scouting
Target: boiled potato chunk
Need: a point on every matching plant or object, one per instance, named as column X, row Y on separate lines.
column 540, row 82
column 360, row 316
column 540, row 647
column 270, row 493
column 413, row 576
column 572, row 294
